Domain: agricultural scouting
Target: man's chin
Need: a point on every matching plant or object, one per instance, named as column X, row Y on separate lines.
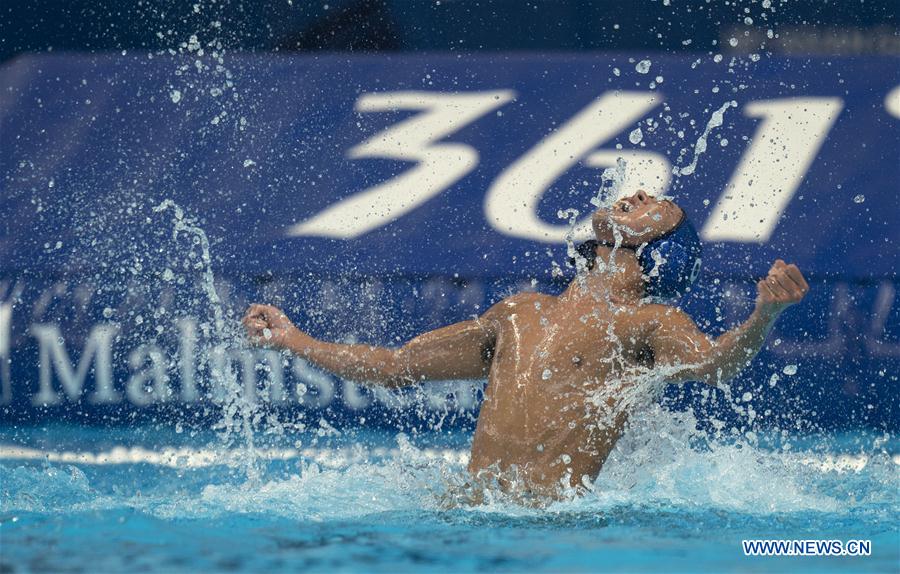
column 605, row 226
column 609, row 230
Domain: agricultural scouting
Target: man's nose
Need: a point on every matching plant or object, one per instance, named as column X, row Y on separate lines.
column 642, row 197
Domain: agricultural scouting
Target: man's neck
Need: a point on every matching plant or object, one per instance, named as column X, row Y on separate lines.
column 616, row 277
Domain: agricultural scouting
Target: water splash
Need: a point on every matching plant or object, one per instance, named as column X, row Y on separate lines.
column 612, row 180
column 717, row 119
column 661, row 464
column 240, row 414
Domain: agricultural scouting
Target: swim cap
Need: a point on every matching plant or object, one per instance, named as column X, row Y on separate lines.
column 587, row 251
column 671, row 262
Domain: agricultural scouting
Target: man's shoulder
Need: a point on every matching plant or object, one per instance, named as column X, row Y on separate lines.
column 526, row 298
column 658, row 312
column 510, row 304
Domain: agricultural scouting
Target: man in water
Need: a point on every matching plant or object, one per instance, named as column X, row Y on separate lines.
column 560, row 368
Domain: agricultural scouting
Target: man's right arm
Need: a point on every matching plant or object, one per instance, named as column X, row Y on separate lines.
column 458, row 351
column 686, row 354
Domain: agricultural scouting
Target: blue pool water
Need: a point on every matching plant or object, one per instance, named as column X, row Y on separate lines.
column 116, row 500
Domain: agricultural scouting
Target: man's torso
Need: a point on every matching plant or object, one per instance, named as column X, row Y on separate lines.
column 553, row 407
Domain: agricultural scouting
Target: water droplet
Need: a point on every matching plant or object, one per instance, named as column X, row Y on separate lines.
column 747, row 397
column 773, row 380
column 789, row 370
column 175, row 95
column 732, row 42
column 565, row 458
column 546, row 374
column 107, row 312
column 636, row 136
column 859, row 198
column 642, row 67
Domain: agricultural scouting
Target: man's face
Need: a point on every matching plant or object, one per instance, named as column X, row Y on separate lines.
column 639, row 219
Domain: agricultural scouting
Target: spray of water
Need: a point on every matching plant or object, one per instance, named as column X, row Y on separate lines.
column 716, row 120
column 240, row 415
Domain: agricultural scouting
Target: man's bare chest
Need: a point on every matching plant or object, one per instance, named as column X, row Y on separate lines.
column 539, row 339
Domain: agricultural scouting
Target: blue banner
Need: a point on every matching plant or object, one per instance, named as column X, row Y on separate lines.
column 147, row 199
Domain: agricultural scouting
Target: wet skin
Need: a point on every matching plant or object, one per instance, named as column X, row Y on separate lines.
column 562, row 370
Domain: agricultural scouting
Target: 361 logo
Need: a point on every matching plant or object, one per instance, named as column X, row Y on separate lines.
column 773, row 165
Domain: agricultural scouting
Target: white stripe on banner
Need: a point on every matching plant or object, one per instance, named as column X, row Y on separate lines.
column 199, row 458
column 331, row 458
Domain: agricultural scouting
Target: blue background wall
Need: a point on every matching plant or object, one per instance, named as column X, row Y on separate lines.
column 253, row 146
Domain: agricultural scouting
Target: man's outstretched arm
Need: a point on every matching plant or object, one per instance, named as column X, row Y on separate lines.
column 458, row 351
column 686, row 354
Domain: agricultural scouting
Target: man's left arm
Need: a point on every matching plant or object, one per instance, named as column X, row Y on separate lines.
column 684, row 353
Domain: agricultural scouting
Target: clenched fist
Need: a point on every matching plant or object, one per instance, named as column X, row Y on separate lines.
column 268, row 326
column 781, row 288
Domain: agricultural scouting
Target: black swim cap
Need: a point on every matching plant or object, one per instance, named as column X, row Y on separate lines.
column 588, row 251
column 671, row 262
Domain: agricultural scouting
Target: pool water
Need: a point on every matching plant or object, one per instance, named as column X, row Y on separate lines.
column 77, row 499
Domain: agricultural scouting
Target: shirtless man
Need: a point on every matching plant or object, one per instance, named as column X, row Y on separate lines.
column 558, row 366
